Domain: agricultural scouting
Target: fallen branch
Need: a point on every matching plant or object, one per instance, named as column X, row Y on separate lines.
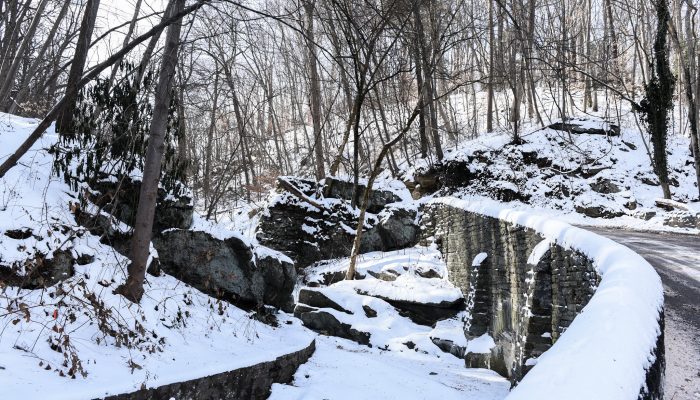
column 288, row 186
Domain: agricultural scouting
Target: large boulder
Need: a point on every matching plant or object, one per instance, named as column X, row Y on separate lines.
column 598, row 211
column 314, row 311
column 227, row 269
column 309, row 230
column 682, row 219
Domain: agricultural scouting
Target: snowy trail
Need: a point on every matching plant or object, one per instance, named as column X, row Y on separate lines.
column 676, row 258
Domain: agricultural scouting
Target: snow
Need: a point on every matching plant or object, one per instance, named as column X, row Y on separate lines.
column 621, row 160
column 539, row 251
column 417, row 259
column 341, row 370
column 618, row 327
column 481, row 345
column 402, row 362
column 479, row 259
column 106, row 343
column 406, row 288
column 181, row 333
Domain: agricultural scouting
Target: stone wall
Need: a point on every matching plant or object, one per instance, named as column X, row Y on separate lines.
column 253, row 382
column 525, row 293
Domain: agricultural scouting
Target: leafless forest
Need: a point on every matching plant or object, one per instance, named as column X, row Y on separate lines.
column 226, row 96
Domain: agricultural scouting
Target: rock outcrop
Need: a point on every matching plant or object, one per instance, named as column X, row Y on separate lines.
column 310, row 228
column 583, row 126
column 227, row 269
column 120, row 197
column 313, row 309
column 40, row 271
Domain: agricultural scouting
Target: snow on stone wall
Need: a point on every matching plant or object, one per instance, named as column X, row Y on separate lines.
column 573, row 315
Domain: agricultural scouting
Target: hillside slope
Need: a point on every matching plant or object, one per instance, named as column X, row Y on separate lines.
column 584, row 178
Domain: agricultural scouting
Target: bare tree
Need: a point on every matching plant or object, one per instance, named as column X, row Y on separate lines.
column 132, row 289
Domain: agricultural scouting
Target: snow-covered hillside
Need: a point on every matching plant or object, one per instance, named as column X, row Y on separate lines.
column 70, row 337
column 594, row 179
column 76, row 339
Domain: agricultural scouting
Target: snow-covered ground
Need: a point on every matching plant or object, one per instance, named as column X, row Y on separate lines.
column 341, row 369
column 402, row 362
column 78, row 340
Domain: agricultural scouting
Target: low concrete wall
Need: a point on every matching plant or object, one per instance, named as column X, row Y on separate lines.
column 253, row 382
column 525, row 293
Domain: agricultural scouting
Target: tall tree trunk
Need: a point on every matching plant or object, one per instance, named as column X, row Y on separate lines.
column 376, row 169
column 685, row 66
column 492, row 71
column 132, row 289
column 420, row 83
column 64, row 122
column 428, row 84
column 10, row 74
column 34, row 67
column 315, row 90
column 11, row 36
column 659, row 96
column 209, row 144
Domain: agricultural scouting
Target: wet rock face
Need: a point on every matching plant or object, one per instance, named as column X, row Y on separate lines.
column 226, row 269
column 308, row 233
column 120, row 198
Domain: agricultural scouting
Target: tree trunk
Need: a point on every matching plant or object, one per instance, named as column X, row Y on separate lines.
column 64, row 122
column 659, row 97
column 350, row 274
column 421, row 86
column 11, row 72
column 315, row 90
column 141, row 240
column 24, row 90
column 689, row 96
column 492, row 71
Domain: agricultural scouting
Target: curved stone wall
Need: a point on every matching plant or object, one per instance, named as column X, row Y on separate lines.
column 525, row 289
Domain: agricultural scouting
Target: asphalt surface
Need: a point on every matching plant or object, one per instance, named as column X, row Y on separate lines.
column 676, row 258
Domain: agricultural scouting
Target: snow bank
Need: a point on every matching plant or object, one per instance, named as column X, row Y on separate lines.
column 77, row 339
column 607, row 350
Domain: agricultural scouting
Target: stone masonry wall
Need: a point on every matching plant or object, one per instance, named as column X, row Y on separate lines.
column 525, row 306
column 524, row 294
column 249, row 383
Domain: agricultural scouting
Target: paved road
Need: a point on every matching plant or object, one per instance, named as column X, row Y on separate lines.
column 676, row 258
